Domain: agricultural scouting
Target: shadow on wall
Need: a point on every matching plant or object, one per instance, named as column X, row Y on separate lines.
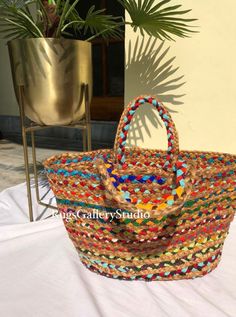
column 149, row 70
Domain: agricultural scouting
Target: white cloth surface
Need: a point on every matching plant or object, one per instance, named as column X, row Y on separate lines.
column 41, row 276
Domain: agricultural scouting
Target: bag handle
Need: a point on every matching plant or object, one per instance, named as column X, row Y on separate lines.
column 183, row 183
column 124, row 126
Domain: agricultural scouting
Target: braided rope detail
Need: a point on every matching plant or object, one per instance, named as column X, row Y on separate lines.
column 110, row 182
column 124, row 125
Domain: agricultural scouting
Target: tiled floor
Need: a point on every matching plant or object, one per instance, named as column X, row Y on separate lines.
column 12, row 170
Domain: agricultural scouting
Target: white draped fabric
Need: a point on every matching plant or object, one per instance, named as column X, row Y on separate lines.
column 41, row 276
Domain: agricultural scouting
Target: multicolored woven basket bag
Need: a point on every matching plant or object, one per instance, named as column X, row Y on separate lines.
column 141, row 214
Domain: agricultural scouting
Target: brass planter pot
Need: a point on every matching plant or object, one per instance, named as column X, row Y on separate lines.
column 54, row 73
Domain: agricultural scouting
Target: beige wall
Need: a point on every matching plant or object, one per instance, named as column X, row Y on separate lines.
column 205, row 105
column 8, row 104
column 207, row 118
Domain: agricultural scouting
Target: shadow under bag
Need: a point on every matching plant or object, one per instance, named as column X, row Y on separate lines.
column 141, row 214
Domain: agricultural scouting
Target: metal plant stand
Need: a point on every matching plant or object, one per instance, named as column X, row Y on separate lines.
column 84, row 125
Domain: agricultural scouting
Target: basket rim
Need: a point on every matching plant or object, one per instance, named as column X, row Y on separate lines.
column 48, row 162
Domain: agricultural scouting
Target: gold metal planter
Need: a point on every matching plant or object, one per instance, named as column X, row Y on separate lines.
column 53, row 73
column 53, row 85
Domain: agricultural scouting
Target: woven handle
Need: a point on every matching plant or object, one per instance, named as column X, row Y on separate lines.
column 124, row 126
column 180, row 190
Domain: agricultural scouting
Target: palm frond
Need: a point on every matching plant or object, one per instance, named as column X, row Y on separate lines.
column 56, row 18
column 66, row 7
column 99, row 24
column 71, row 18
column 17, row 21
column 158, row 20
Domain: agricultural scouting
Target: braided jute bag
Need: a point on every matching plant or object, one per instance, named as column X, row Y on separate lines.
column 141, row 214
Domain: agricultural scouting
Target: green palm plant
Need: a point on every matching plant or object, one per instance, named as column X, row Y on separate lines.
column 61, row 18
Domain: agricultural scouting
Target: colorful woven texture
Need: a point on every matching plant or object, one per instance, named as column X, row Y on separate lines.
column 141, row 214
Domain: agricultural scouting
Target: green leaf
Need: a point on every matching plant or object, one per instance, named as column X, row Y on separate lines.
column 99, row 24
column 72, row 23
column 62, row 17
column 31, row 22
column 157, row 20
column 58, row 6
column 16, row 15
column 71, row 9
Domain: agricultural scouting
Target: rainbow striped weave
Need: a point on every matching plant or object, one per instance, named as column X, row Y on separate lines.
column 141, row 214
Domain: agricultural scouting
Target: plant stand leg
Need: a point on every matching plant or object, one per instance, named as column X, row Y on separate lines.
column 84, row 136
column 35, row 167
column 88, row 118
column 89, row 146
column 26, row 155
column 36, row 179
